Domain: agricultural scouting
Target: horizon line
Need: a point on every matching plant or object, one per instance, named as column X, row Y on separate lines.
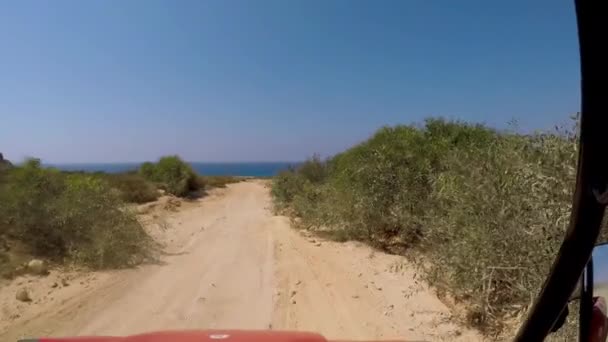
column 187, row 161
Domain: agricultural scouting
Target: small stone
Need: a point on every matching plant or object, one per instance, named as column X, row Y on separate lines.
column 64, row 282
column 23, row 295
column 212, row 285
column 298, row 282
column 54, row 285
column 293, row 301
column 318, row 244
column 277, row 293
column 360, row 274
column 355, row 296
column 38, row 267
column 293, row 293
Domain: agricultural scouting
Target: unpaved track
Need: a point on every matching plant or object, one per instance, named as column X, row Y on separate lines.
column 231, row 264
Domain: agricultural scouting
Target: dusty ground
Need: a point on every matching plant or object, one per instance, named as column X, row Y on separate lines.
column 230, row 263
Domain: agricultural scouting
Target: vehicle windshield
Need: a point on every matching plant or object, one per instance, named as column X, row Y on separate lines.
column 386, row 170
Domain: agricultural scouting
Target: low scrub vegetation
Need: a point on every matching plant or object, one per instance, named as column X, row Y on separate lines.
column 133, row 187
column 171, row 174
column 65, row 217
column 218, row 181
column 482, row 211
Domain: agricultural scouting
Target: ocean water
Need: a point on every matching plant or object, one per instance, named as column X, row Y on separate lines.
column 265, row 169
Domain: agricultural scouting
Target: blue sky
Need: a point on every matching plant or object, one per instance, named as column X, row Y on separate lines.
column 228, row 80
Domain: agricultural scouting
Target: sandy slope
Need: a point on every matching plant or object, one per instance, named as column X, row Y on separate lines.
column 231, row 264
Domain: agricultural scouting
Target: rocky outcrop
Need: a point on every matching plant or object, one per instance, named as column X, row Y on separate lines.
column 4, row 163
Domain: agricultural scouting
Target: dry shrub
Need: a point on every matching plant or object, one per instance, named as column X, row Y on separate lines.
column 133, row 187
column 172, row 174
column 486, row 209
column 217, row 181
column 69, row 217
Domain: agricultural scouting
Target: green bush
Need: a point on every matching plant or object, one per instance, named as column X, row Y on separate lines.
column 69, row 218
column 217, row 181
column 171, row 174
column 285, row 186
column 486, row 209
column 133, row 187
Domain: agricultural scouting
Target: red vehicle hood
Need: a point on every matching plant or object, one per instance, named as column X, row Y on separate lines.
column 199, row 336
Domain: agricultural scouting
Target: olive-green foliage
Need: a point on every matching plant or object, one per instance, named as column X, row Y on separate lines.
column 487, row 209
column 298, row 181
column 69, row 217
column 133, row 187
column 172, row 174
column 211, row 182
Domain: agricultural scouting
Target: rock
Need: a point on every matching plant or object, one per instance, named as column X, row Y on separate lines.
column 293, row 292
column 318, row 244
column 312, row 240
column 54, row 285
column 23, row 295
column 277, row 293
column 298, row 282
column 293, row 301
column 355, row 296
column 64, row 282
column 38, row 267
column 212, row 285
column 360, row 274
column 4, row 164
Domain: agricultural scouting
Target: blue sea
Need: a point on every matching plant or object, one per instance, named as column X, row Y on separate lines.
column 264, row 169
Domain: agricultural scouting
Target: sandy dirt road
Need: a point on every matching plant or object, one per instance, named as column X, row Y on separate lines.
column 230, row 263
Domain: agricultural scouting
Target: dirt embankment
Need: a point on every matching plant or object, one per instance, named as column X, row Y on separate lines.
column 229, row 263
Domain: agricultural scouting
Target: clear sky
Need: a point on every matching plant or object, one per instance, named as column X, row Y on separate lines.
column 228, row 80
